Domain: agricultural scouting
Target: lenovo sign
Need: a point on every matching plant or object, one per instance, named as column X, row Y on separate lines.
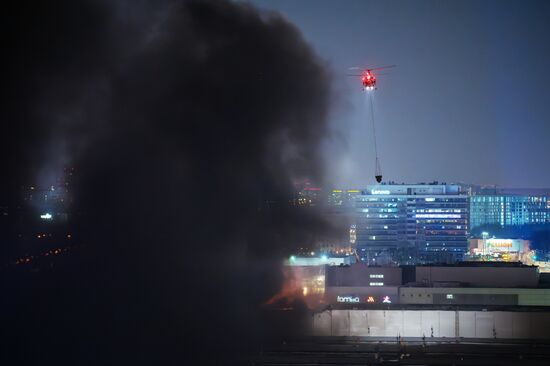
column 378, row 191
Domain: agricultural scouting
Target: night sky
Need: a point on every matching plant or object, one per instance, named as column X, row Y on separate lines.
column 468, row 101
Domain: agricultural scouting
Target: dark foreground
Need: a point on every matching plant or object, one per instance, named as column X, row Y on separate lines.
column 349, row 351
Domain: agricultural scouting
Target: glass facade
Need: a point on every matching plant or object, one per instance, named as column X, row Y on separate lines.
column 406, row 224
column 509, row 210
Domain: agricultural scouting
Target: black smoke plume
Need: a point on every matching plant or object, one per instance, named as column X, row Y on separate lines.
column 187, row 123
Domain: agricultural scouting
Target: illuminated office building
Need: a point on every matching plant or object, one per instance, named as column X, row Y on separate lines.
column 406, row 224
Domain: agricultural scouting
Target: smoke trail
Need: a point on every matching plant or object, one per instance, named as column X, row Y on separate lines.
column 187, row 122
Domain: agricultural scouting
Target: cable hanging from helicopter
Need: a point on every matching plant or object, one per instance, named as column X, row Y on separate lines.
column 368, row 80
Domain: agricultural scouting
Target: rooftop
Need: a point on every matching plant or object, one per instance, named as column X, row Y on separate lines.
column 477, row 264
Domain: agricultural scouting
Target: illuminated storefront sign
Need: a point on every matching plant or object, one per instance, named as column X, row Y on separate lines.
column 369, row 299
column 351, row 299
column 500, row 243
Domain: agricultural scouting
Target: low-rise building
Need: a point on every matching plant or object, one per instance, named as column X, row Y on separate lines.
column 480, row 274
column 462, row 284
column 474, row 296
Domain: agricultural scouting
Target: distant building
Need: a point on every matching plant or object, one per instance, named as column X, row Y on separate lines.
column 406, row 224
column 51, row 202
column 343, row 197
column 332, row 248
column 309, row 196
column 509, row 207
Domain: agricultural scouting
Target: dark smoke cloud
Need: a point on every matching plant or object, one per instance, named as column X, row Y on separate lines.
column 187, row 123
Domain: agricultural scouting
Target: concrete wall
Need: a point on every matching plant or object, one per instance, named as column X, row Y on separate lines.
column 432, row 323
column 475, row 299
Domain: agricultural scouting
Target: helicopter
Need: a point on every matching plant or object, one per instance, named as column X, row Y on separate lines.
column 368, row 79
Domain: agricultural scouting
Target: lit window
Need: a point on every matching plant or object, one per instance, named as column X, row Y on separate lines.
column 376, row 284
column 450, row 296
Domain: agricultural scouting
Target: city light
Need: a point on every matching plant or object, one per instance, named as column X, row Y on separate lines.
column 46, row 216
column 324, row 257
column 386, row 300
